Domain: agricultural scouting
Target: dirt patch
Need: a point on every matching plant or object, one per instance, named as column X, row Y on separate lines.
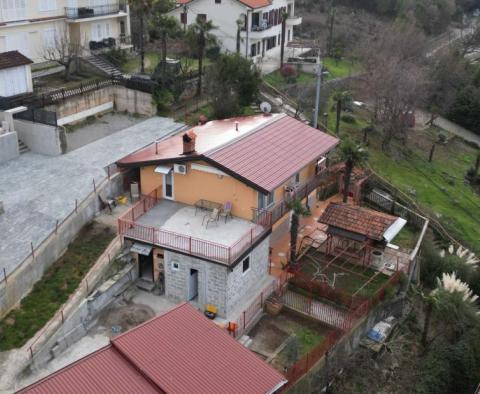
column 123, row 318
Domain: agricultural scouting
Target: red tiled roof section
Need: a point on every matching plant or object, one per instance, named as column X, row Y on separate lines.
column 359, row 220
column 183, row 352
column 13, row 59
column 104, row 371
column 272, row 155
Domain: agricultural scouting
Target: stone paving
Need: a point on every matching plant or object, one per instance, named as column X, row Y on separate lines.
column 38, row 190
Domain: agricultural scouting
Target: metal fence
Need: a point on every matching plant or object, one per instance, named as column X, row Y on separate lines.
column 38, row 115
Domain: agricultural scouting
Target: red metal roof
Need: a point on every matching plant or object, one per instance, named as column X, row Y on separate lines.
column 264, row 153
column 272, row 155
column 209, row 136
column 180, row 352
column 359, row 220
column 104, row 371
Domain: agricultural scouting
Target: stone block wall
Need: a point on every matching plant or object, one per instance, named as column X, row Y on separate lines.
column 239, row 283
column 212, row 280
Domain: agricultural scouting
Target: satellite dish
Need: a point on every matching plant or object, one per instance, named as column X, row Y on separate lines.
column 265, row 107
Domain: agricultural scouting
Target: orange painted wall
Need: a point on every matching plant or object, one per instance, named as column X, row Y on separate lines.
column 196, row 185
column 149, row 179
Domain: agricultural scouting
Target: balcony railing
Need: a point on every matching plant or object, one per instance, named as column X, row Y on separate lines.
column 129, row 227
column 90, row 12
column 300, row 191
column 261, row 27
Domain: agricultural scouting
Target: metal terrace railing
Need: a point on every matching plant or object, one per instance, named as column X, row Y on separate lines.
column 301, row 191
column 129, row 227
column 90, row 12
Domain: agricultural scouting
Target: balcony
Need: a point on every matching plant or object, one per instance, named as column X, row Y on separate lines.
column 76, row 13
column 258, row 31
column 179, row 227
column 294, row 20
column 298, row 191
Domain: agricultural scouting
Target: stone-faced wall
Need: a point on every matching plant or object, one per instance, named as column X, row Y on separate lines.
column 212, row 280
column 239, row 283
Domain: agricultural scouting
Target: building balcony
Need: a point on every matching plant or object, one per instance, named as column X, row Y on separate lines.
column 295, row 191
column 259, row 31
column 77, row 13
column 294, row 20
column 182, row 228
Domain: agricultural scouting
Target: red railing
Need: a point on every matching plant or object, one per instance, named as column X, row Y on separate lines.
column 300, row 192
column 127, row 226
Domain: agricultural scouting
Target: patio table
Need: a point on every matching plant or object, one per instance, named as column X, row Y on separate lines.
column 206, row 205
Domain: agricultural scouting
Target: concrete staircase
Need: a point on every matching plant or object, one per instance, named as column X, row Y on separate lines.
column 22, row 147
column 146, row 285
column 105, row 66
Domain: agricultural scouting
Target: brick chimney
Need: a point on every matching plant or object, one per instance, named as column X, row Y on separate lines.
column 189, row 142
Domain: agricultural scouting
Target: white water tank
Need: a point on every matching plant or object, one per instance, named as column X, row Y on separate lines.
column 376, row 258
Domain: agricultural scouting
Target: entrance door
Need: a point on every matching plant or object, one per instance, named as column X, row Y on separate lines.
column 193, row 285
column 145, row 266
column 168, row 185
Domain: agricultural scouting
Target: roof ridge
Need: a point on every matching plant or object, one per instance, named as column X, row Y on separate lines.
column 274, row 119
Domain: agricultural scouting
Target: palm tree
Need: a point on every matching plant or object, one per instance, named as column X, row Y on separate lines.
column 453, row 302
column 199, row 37
column 341, row 97
column 298, row 210
column 142, row 9
column 282, row 47
column 353, row 155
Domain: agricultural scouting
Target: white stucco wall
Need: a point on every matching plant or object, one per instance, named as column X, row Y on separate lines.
column 224, row 17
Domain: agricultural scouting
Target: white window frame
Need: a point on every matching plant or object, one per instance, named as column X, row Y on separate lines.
column 263, row 200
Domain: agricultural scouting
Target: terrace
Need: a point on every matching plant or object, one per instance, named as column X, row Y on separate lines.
column 181, row 228
column 75, row 13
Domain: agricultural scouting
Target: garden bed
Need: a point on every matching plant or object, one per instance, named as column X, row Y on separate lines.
column 54, row 288
column 285, row 338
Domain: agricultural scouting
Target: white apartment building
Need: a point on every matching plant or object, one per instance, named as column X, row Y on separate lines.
column 30, row 26
column 261, row 23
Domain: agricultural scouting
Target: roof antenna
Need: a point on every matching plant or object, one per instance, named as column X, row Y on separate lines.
column 236, row 125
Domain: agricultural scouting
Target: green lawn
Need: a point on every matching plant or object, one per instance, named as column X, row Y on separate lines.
column 57, row 283
column 406, row 238
column 438, row 187
column 341, row 68
column 151, row 61
column 278, row 81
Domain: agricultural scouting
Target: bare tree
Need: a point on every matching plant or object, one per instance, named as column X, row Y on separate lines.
column 63, row 51
column 395, row 76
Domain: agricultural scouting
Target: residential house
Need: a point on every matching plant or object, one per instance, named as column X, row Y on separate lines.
column 261, row 23
column 30, row 26
column 180, row 352
column 15, row 74
column 249, row 166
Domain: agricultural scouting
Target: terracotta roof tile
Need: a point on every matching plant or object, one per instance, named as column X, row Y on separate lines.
column 359, row 220
column 13, row 59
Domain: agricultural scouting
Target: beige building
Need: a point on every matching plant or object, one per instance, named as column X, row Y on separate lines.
column 31, row 26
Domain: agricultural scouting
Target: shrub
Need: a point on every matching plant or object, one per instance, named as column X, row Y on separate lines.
column 347, row 118
column 163, row 99
column 288, row 71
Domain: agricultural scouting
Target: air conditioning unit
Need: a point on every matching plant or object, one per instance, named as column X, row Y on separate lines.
column 180, row 169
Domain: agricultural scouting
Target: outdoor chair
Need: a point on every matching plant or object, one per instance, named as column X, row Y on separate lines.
column 212, row 217
column 226, row 210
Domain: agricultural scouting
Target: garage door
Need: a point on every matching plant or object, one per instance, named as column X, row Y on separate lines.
column 13, row 81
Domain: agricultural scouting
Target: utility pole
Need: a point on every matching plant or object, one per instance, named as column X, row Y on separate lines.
column 317, row 98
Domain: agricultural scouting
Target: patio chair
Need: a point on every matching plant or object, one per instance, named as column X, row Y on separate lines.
column 226, row 211
column 212, row 217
